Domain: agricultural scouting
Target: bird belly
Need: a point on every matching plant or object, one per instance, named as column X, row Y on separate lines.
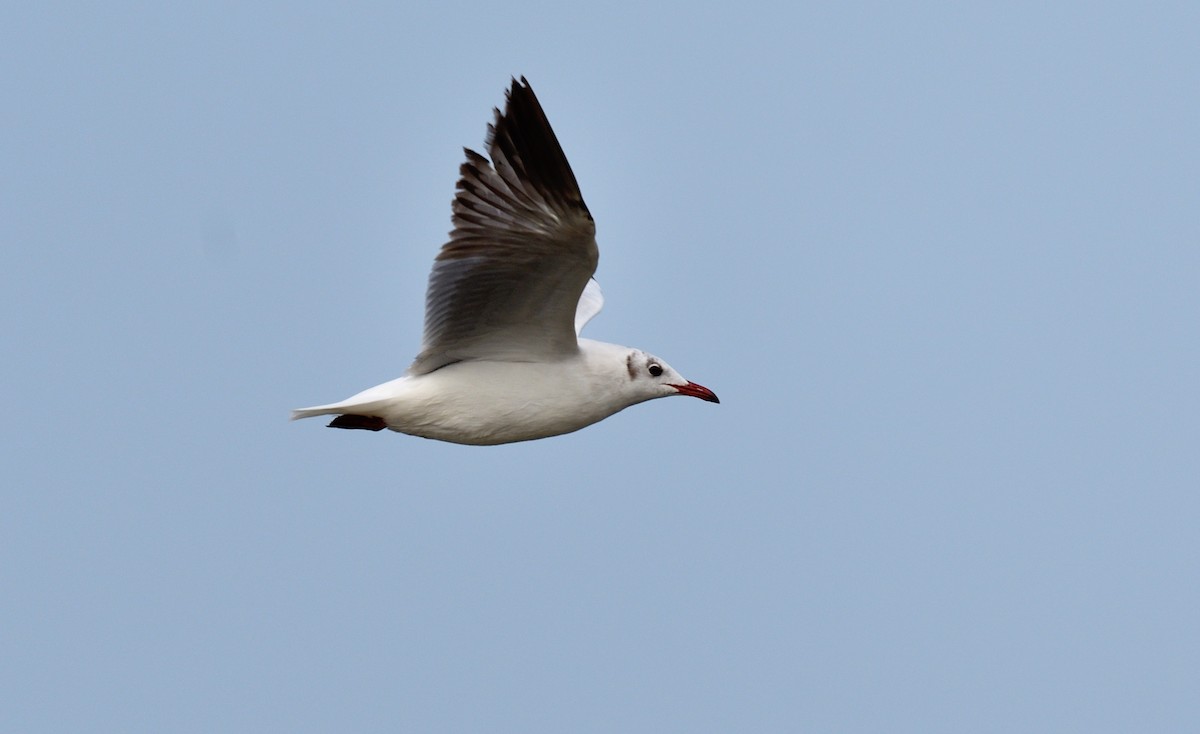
column 486, row 403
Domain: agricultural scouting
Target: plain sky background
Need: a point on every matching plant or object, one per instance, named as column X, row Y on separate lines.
column 941, row 263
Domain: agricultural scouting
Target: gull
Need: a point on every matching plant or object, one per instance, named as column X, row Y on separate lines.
column 501, row 359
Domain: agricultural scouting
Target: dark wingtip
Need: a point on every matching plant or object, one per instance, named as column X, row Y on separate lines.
column 361, row 422
column 522, row 134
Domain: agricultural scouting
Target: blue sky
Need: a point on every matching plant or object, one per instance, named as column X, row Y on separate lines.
column 940, row 263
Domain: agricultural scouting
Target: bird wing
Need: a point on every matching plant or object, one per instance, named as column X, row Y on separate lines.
column 590, row 303
column 509, row 285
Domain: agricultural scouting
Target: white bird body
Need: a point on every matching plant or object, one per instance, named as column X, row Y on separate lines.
column 501, row 359
column 484, row 403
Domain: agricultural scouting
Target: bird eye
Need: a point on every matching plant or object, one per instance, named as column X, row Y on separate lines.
column 655, row 369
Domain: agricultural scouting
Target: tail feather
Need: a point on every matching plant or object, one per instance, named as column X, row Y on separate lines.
column 367, row 405
column 344, row 408
column 315, row 411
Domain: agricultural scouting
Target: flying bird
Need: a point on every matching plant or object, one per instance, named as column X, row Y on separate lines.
column 501, row 359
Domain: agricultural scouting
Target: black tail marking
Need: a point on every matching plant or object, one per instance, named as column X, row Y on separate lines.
column 363, row 422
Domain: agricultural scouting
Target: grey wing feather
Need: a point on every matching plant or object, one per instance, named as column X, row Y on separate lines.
column 507, row 284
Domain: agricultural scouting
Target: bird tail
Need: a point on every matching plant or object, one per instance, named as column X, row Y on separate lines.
column 315, row 411
column 360, row 411
column 348, row 415
column 344, row 408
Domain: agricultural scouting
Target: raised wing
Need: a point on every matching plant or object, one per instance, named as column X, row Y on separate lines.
column 590, row 303
column 507, row 285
